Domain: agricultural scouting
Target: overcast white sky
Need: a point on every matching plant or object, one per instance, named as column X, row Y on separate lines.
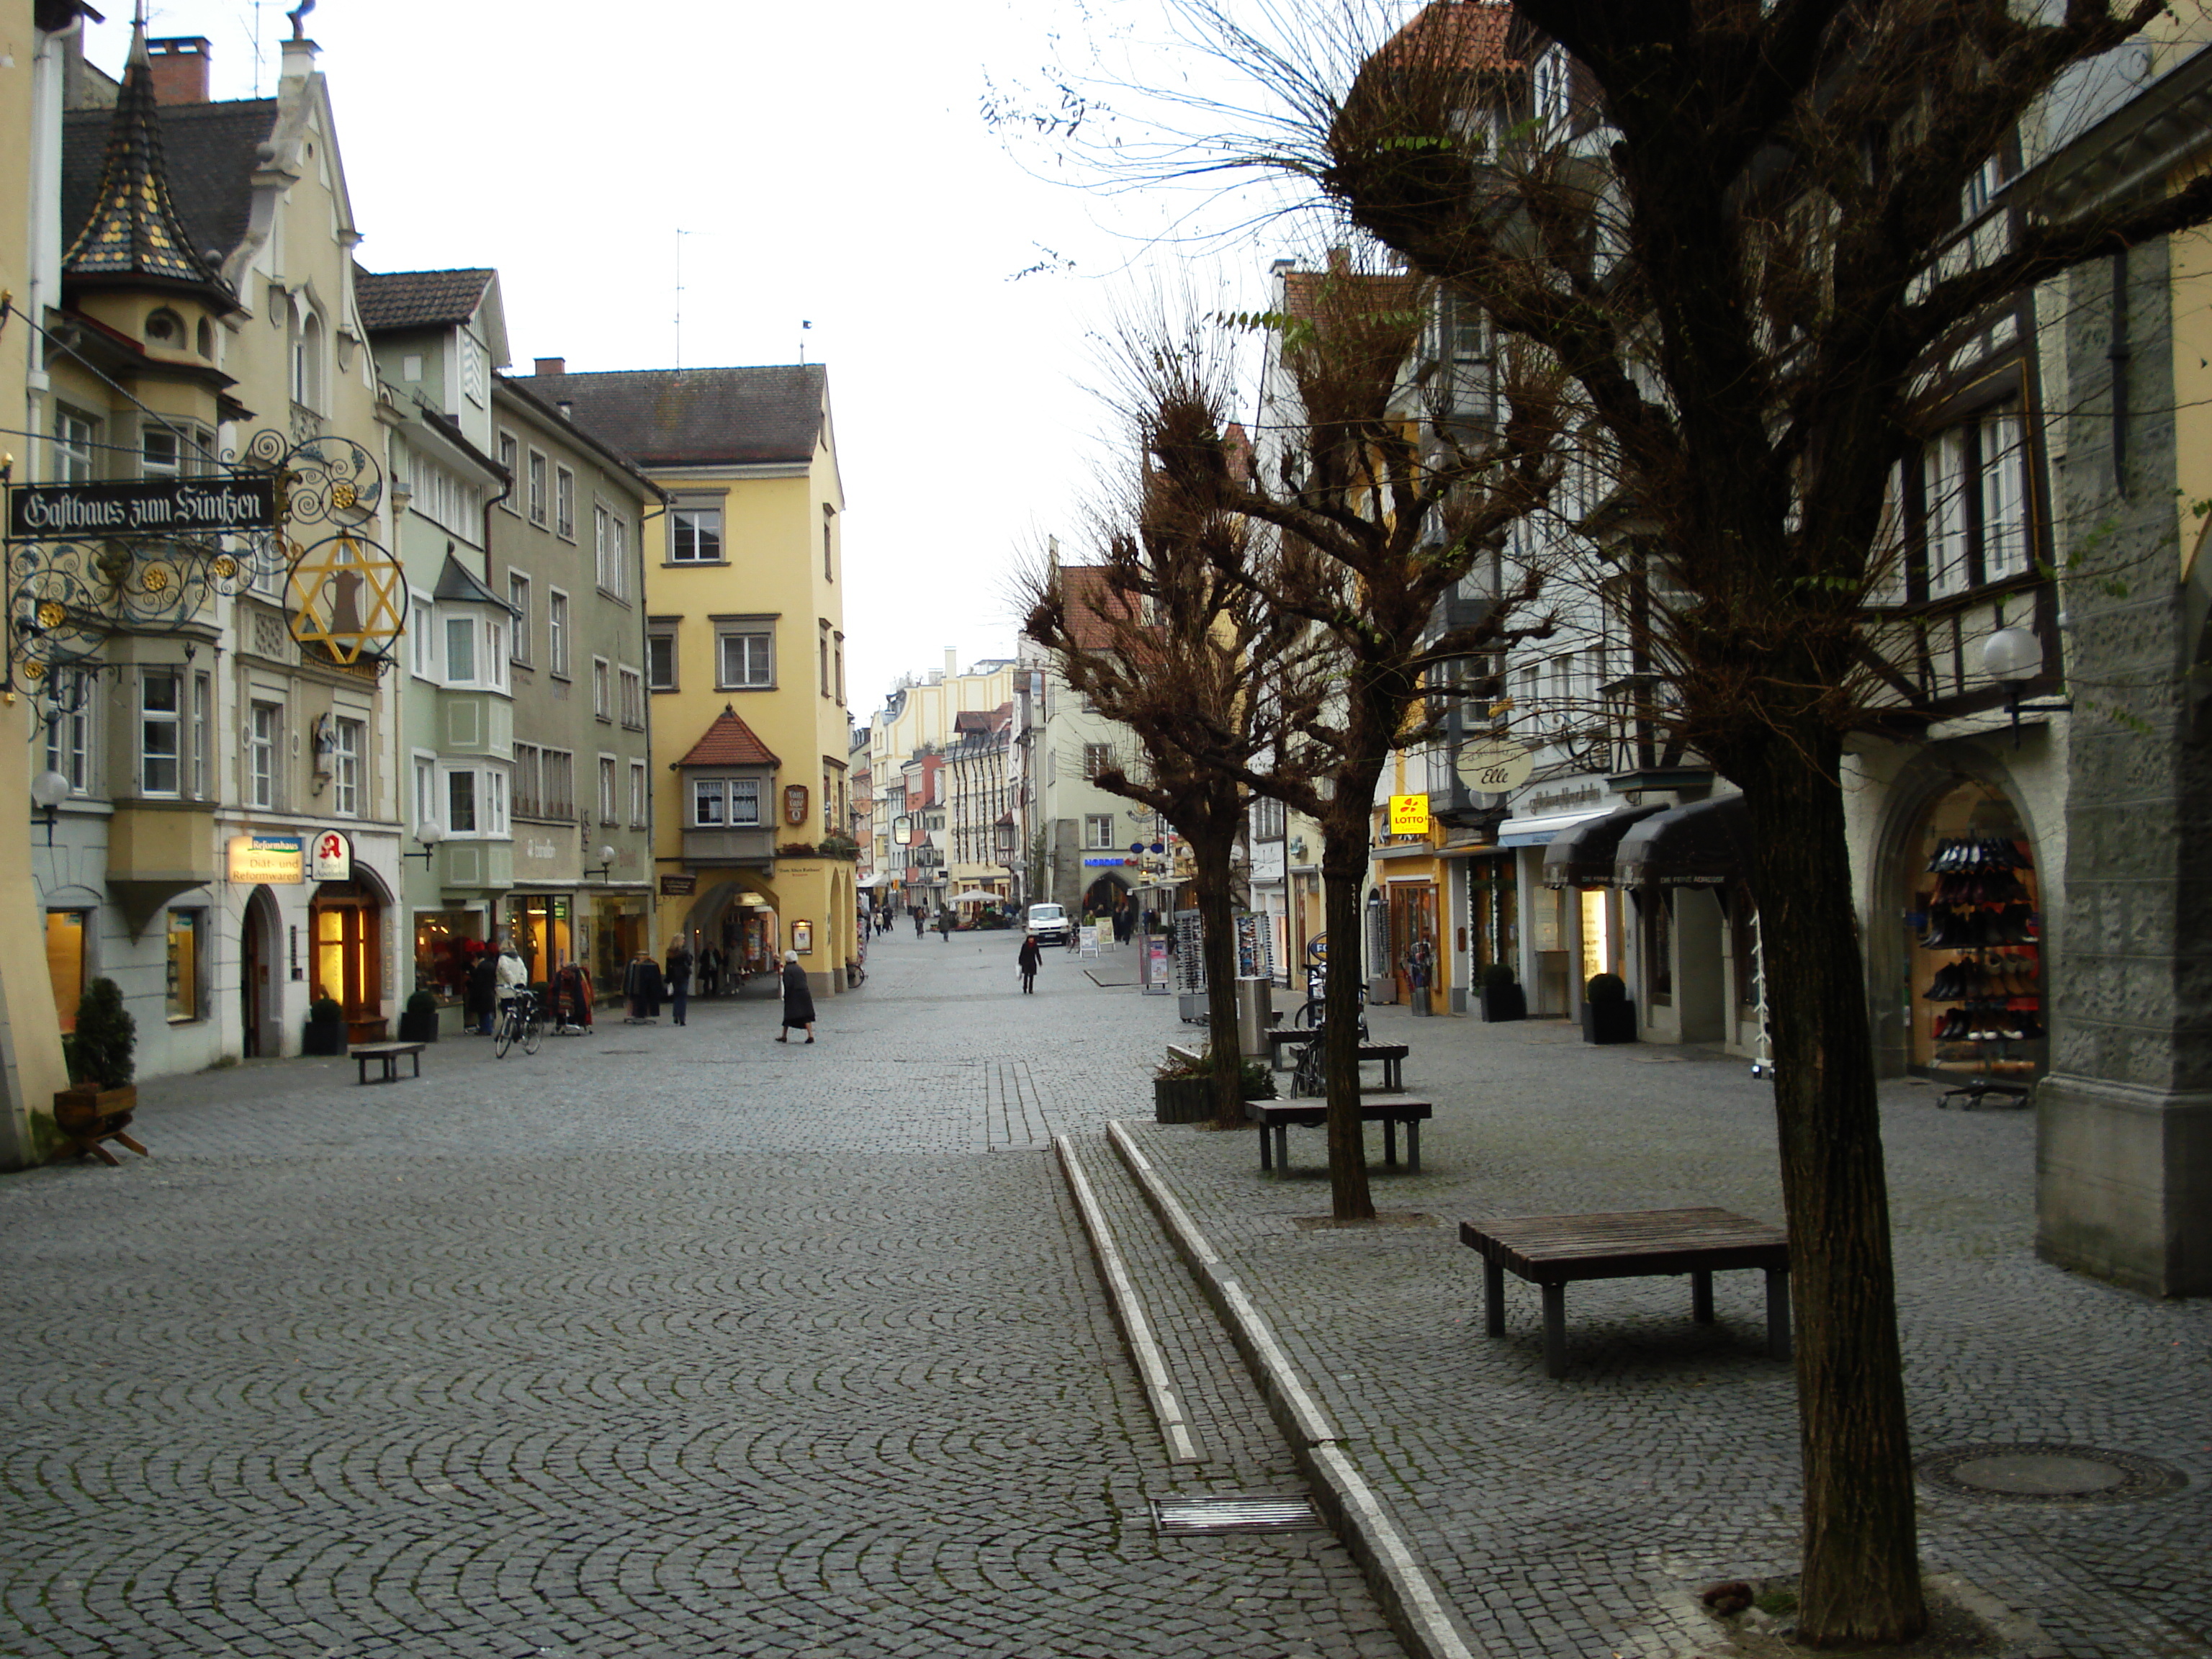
column 830, row 164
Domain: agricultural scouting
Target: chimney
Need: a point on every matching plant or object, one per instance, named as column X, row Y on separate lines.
column 181, row 68
column 550, row 365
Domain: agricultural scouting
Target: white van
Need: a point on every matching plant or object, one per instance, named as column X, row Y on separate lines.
column 1049, row 924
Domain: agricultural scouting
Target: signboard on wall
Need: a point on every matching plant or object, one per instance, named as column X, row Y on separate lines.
column 175, row 507
column 794, row 803
column 331, row 857
column 1409, row 814
column 269, row 860
column 678, row 886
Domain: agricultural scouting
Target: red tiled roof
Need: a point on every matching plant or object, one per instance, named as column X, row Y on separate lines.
column 418, row 299
column 1455, row 34
column 1091, row 605
column 729, row 742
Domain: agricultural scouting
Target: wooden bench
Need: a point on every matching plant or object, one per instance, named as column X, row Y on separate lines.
column 1552, row 1251
column 1276, row 1117
column 391, row 1053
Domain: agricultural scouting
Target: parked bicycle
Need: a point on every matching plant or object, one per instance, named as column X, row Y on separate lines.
column 520, row 1020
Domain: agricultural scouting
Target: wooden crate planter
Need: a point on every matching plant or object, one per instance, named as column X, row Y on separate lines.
column 87, row 1117
column 1182, row 1099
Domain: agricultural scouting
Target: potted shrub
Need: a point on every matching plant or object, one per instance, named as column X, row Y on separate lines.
column 1501, row 995
column 326, row 1033
column 1182, row 1090
column 418, row 1021
column 102, row 1060
column 1607, row 1014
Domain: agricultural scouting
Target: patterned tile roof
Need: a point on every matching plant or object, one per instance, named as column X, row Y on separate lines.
column 697, row 416
column 418, row 299
column 729, row 742
column 132, row 231
column 210, row 152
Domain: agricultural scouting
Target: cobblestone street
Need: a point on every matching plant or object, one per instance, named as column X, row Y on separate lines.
column 675, row 1341
column 660, row 1342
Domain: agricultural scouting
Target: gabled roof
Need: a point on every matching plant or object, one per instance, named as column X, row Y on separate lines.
column 729, row 742
column 419, row 299
column 698, row 416
column 210, row 152
column 132, row 232
column 1091, row 604
column 1461, row 34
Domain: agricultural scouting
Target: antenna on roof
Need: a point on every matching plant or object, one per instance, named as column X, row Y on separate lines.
column 803, row 327
column 680, row 234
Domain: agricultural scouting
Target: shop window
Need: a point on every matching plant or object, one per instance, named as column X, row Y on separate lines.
column 187, row 930
column 66, row 931
column 1658, row 947
column 1974, row 946
column 445, row 943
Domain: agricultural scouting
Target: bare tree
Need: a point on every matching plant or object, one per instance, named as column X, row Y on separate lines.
column 1735, row 225
column 1381, row 504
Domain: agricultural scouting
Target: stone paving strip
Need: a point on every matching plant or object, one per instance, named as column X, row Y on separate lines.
column 1417, row 1613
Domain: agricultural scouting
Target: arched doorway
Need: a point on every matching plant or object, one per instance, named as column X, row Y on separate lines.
column 345, row 931
column 258, row 957
column 739, row 922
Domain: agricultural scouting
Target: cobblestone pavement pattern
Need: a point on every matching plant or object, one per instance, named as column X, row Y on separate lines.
column 660, row 1342
column 1571, row 1517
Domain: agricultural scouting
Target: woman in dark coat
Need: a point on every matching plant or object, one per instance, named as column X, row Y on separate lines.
column 483, row 993
column 797, row 999
column 1029, row 959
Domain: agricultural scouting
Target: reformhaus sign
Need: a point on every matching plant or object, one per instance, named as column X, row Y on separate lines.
column 164, row 507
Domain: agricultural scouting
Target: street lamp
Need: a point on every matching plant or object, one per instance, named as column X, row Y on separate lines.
column 48, row 791
column 606, row 863
column 429, row 834
column 2013, row 657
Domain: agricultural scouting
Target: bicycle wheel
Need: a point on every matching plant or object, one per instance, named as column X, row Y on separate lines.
column 1309, row 1077
column 1309, row 1015
column 533, row 1030
column 503, row 1037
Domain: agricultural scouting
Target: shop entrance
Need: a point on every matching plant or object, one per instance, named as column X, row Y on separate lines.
column 543, row 934
column 345, row 922
column 257, row 957
column 1414, row 961
column 1973, row 938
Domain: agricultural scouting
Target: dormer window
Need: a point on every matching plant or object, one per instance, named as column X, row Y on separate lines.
column 164, row 328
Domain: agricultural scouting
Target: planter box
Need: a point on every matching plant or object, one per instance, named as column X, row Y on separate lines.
column 320, row 1037
column 1609, row 1022
column 418, row 1027
column 87, row 1116
column 1182, row 1099
column 1503, row 1002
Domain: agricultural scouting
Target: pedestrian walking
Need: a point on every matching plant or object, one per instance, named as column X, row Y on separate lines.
column 944, row 925
column 1028, row 961
column 710, row 970
column 798, row 1000
column 482, row 1000
column 677, row 972
column 920, row 921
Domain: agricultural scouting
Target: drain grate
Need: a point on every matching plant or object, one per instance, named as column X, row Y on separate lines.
column 1185, row 1516
column 2047, row 1472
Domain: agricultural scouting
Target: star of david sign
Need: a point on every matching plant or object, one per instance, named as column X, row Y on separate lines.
column 347, row 596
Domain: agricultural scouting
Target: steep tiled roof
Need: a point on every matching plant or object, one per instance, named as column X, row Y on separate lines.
column 1460, row 34
column 729, row 742
column 696, row 416
column 1091, row 603
column 209, row 153
column 419, row 299
column 131, row 230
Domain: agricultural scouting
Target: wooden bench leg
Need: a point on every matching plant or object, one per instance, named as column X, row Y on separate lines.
column 1493, row 1299
column 1283, row 1146
column 1389, row 1143
column 1413, row 1144
column 1267, row 1158
column 1701, row 1295
column 1555, row 1330
column 1777, row 1313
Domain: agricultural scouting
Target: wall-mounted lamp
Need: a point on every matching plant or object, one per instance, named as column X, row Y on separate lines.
column 429, row 835
column 606, row 863
column 48, row 791
column 2013, row 657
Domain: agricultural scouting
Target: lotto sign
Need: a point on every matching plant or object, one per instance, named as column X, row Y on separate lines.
column 331, row 857
column 1409, row 814
column 1492, row 768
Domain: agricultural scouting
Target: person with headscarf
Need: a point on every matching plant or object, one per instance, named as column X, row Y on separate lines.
column 798, row 1000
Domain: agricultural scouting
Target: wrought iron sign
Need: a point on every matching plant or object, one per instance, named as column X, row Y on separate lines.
column 87, row 561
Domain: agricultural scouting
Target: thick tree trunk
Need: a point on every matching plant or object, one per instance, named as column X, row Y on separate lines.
column 1210, row 859
column 1344, row 845
column 1860, row 1563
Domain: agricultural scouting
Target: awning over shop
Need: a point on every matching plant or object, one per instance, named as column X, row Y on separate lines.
column 1584, row 856
column 1539, row 831
column 1700, row 845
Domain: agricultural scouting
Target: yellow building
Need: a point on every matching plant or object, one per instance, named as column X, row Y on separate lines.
column 745, row 653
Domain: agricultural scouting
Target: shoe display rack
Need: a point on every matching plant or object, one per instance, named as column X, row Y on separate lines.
column 1979, row 975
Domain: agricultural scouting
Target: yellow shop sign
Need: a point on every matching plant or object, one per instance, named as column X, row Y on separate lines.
column 1409, row 814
